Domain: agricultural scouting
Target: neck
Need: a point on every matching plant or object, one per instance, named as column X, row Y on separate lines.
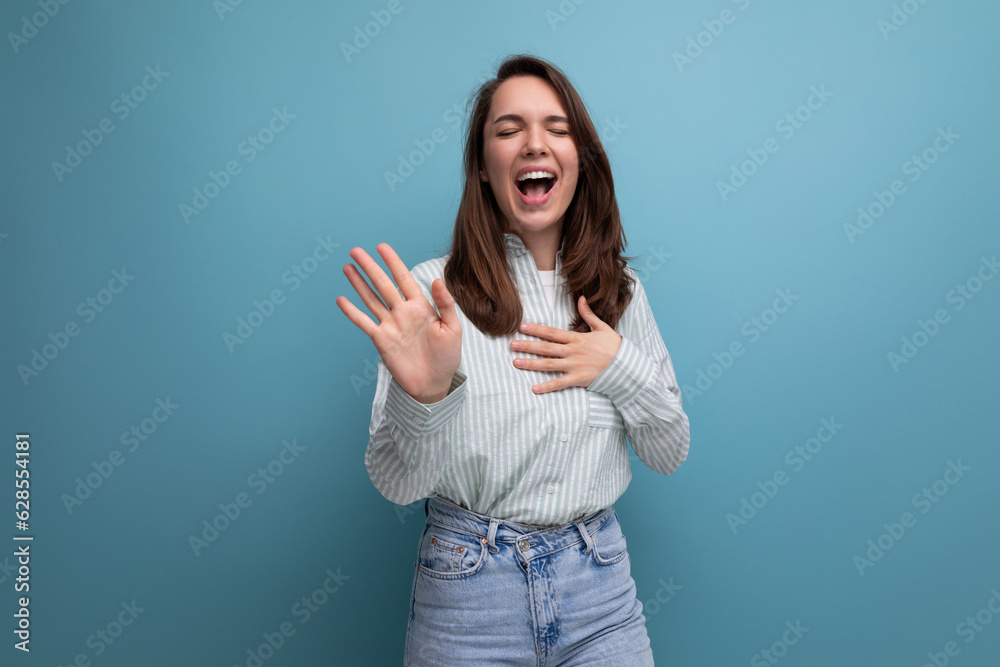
column 543, row 246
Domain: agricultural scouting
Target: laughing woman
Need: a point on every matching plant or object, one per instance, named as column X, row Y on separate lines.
column 508, row 405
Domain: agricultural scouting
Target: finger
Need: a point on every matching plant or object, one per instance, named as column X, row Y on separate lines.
column 445, row 303
column 551, row 385
column 407, row 285
column 539, row 347
column 550, row 333
column 382, row 283
column 589, row 316
column 365, row 292
column 353, row 314
column 554, row 365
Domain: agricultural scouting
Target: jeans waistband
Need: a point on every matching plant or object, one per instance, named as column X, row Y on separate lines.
column 537, row 539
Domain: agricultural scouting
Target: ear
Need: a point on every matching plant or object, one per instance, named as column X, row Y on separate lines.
column 482, row 176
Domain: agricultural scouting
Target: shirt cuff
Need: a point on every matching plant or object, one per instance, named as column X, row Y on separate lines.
column 626, row 375
column 419, row 419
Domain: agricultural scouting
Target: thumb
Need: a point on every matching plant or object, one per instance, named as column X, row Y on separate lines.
column 446, row 304
column 589, row 316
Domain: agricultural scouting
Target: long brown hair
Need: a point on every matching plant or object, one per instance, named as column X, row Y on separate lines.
column 477, row 274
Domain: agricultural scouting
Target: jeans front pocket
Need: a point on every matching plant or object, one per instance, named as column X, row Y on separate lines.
column 450, row 554
column 609, row 546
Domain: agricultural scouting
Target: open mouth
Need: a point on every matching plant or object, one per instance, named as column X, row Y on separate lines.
column 536, row 187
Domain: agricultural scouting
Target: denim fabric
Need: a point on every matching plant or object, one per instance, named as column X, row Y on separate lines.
column 493, row 592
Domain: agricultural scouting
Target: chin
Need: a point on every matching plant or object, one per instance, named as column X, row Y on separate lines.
column 535, row 225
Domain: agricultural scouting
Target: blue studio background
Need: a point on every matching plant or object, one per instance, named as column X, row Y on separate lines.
column 809, row 191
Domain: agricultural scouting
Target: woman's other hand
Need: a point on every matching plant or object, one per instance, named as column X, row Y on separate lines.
column 421, row 349
column 579, row 356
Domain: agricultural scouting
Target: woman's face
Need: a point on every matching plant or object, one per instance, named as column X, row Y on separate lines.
column 527, row 130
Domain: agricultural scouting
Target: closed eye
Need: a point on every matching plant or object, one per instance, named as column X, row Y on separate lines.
column 561, row 133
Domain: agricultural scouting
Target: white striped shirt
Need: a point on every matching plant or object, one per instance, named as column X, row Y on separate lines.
column 495, row 447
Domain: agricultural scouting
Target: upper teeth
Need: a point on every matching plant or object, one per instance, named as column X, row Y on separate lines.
column 536, row 174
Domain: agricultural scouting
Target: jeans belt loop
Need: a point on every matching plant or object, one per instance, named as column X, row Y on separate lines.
column 586, row 536
column 492, row 536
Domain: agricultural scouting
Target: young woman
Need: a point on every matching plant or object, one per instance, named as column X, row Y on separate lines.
column 508, row 405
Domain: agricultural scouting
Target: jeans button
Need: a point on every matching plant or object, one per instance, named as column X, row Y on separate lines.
column 524, row 566
column 524, row 545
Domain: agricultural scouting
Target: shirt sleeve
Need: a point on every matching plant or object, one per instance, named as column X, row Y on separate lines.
column 408, row 441
column 640, row 381
column 408, row 445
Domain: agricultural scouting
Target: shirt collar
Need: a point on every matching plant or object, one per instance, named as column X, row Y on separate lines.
column 515, row 246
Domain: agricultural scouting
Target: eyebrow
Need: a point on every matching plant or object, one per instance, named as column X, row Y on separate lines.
column 520, row 119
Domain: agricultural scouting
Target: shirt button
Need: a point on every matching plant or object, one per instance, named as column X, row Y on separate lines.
column 551, row 489
column 524, row 544
column 563, row 437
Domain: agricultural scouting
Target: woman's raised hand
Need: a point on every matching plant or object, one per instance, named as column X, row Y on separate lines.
column 421, row 349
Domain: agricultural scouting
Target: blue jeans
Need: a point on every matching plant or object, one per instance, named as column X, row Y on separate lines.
column 494, row 592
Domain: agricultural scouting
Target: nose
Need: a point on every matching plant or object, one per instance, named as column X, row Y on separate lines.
column 534, row 142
